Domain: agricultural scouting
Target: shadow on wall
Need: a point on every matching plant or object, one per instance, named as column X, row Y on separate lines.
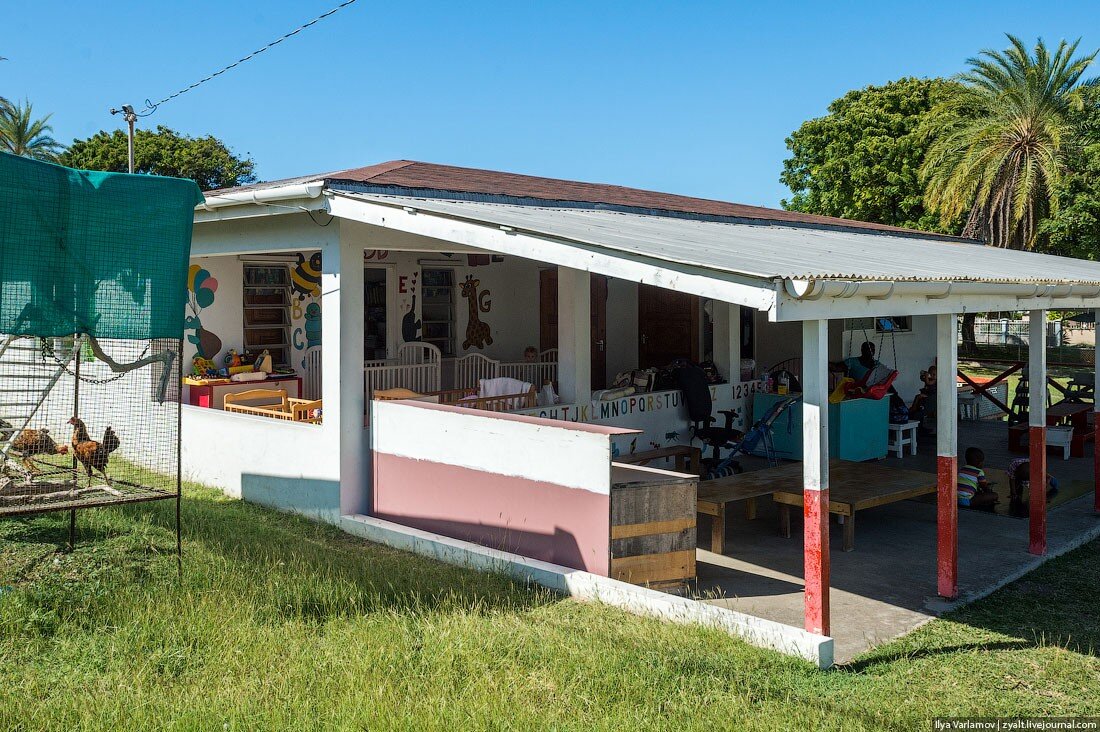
column 559, row 547
column 313, row 498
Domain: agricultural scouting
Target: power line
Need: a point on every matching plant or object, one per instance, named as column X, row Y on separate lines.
column 150, row 107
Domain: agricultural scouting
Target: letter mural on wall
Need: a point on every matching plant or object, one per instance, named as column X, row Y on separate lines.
column 478, row 333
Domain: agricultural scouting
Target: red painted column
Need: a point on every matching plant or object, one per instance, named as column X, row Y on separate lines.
column 815, row 514
column 1037, row 432
column 815, row 473
column 1037, row 533
column 1096, row 460
column 947, row 524
column 947, row 461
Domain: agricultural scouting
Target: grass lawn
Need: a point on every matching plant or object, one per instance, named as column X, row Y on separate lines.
column 282, row 624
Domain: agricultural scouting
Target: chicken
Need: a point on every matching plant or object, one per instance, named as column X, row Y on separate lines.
column 36, row 442
column 91, row 454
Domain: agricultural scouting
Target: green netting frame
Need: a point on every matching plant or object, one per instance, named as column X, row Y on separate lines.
column 87, row 252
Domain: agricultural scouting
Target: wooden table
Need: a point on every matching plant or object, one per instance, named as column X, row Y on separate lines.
column 687, row 457
column 852, row 487
column 715, row 494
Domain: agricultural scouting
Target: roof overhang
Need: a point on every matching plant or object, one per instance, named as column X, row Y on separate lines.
column 729, row 287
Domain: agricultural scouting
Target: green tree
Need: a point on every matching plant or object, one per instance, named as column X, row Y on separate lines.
column 206, row 160
column 22, row 134
column 861, row 160
column 997, row 141
column 1074, row 228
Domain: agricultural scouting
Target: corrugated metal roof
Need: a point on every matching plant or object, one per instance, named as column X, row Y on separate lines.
column 769, row 251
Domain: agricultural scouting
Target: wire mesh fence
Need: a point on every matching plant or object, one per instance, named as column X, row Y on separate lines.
column 87, row 422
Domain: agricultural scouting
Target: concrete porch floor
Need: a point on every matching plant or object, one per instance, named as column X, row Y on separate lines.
column 887, row 586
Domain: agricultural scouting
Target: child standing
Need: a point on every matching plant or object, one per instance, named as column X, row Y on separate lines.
column 974, row 490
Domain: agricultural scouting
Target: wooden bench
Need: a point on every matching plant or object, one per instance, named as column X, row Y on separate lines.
column 715, row 494
column 687, row 457
column 853, row 487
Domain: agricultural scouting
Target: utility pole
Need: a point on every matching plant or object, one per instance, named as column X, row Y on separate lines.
column 130, row 116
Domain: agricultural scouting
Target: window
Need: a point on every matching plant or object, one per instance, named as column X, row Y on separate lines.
column 882, row 324
column 267, row 311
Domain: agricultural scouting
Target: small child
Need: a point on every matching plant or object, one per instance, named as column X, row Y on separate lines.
column 1019, row 477
column 531, row 354
column 974, row 490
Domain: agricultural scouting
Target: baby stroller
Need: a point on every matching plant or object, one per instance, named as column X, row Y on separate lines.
column 760, row 434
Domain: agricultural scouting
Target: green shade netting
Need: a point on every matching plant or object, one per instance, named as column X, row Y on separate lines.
column 89, row 252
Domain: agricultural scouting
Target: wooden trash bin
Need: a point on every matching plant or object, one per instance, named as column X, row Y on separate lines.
column 652, row 525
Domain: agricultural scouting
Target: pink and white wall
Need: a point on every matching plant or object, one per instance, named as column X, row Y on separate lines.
column 535, row 487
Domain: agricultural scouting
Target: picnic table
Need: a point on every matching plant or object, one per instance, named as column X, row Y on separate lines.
column 853, row 487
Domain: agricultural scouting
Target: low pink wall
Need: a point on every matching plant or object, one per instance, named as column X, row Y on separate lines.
column 535, row 487
column 536, row 519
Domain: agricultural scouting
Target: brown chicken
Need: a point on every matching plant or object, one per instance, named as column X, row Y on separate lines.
column 92, row 454
column 29, row 443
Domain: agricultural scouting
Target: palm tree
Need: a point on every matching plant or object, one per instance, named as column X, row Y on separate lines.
column 21, row 134
column 997, row 145
column 998, row 141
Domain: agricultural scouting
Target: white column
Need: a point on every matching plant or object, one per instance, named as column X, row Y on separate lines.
column 1037, row 423
column 947, row 451
column 815, row 472
column 342, row 368
column 574, row 335
column 726, row 321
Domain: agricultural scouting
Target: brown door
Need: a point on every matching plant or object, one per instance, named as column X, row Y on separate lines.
column 668, row 326
column 548, row 321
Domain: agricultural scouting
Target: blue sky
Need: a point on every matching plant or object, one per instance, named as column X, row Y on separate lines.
column 693, row 98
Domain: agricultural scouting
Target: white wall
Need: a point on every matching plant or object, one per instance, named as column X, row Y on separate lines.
column 281, row 464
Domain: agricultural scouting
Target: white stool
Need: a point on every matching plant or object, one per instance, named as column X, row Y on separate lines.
column 1060, row 437
column 968, row 407
column 901, row 435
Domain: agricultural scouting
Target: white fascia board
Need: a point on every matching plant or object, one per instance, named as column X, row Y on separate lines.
column 789, row 309
column 746, row 291
column 254, row 210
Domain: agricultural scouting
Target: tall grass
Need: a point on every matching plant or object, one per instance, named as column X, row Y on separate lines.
column 278, row 623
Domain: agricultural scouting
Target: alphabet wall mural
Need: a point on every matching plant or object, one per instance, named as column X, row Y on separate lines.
column 478, row 333
column 305, row 309
column 201, row 288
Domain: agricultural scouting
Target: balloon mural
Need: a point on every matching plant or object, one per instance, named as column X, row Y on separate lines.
column 201, row 288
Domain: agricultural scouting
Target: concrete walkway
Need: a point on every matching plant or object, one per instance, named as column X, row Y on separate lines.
column 887, row 586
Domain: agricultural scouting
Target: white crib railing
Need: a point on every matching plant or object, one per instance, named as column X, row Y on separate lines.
column 311, row 367
column 417, row 367
column 469, row 370
column 534, row 372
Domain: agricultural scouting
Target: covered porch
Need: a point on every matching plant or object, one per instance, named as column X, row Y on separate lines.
column 780, row 280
